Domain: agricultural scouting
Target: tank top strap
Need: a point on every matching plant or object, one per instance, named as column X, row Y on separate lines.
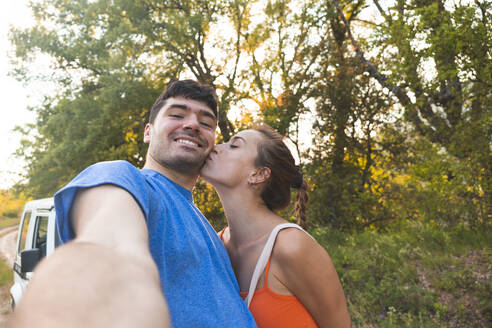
column 264, row 258
column 221, row 233
column 267, row 268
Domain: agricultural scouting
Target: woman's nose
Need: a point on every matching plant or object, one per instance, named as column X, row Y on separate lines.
column 218, row 148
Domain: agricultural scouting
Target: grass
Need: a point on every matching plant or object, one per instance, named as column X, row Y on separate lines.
column 6, row 281
column 8, row 222
column 6, row 274
column 418, row 276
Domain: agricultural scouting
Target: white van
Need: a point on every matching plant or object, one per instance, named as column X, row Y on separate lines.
column 37, row 238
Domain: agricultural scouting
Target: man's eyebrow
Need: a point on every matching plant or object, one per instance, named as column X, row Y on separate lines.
column 181, row 106
column 202, row 111
column 208, row 114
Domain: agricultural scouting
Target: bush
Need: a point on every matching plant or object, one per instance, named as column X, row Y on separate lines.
column 417, row 276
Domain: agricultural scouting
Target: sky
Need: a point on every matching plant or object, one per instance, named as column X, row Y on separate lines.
column 14, row 96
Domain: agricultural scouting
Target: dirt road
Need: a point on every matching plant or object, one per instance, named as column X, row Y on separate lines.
column 8, row 239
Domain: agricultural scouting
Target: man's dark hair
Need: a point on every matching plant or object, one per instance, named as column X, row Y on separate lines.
column 187, row 89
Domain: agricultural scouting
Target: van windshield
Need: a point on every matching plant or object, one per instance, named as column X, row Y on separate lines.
column 23, row 237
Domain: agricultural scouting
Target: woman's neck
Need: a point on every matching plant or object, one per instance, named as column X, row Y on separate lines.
column 248, row 217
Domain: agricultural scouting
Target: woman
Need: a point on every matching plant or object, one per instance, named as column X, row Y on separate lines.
column 287, row 279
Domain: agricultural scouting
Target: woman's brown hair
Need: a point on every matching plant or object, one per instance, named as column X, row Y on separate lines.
column 274, row 154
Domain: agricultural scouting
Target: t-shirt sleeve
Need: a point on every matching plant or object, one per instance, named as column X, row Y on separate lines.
column 118, row 173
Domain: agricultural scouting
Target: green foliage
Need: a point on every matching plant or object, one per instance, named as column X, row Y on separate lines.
column 423, row 155
column 6, row 275
column 208, row 202
column 11, row 205
column 100, row 122
column 432, row 185
column 6, row 280
column 346, row 189
column 409, row 176
column 419, row 275
column 111, row 63
column 440, row 64
column 5, row 223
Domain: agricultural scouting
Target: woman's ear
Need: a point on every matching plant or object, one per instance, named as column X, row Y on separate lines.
column 260, row 175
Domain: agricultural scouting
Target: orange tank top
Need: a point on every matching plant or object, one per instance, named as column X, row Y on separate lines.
column 272, row 310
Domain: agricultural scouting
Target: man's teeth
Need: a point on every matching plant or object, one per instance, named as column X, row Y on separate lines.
column 187, row 142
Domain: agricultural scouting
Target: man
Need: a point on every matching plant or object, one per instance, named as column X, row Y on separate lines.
column 113, row 213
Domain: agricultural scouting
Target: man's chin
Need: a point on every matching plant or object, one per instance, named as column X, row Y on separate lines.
column 186, row 166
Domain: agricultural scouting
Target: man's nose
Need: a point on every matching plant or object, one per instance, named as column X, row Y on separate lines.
column 191, row 123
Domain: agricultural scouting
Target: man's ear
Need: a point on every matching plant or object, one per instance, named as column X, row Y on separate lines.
column 260, row 175
column 146, row 137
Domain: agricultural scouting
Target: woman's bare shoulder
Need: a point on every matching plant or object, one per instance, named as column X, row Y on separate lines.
column 296, row 245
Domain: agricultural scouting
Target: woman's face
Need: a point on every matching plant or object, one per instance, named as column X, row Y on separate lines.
column 230, row 164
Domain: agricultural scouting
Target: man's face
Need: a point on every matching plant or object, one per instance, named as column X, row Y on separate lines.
column 182, row 135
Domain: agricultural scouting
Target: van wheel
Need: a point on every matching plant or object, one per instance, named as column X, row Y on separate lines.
column 12, row 304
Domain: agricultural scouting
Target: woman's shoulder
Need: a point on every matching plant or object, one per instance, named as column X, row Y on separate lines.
column 295, row 256
column 293, row 244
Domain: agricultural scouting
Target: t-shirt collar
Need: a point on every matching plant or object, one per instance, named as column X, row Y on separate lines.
column 185, row 192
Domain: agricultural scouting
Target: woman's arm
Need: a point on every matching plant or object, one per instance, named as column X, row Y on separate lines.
column 306, row 269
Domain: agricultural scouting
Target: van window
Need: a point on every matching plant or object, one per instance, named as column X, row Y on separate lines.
column 41, row 234
column 25, row 226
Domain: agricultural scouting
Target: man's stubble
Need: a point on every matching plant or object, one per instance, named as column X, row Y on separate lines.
column 186, row 165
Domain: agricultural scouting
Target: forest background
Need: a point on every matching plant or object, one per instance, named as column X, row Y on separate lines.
column 387, row 105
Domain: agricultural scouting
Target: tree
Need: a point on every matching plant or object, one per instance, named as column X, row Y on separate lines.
column 295, row 59
column 439, row 63
column 11, row 204
column 285, row 50
column 349, row 111
column 111, row 61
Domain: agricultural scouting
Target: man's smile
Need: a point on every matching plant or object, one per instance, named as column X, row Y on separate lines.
column 189, row 141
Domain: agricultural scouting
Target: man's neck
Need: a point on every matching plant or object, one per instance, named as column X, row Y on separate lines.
column 185, row 181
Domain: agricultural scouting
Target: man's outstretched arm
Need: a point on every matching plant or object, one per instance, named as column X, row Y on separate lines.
column 105, row 277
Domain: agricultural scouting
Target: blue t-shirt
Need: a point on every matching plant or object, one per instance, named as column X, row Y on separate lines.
column 196, row 275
